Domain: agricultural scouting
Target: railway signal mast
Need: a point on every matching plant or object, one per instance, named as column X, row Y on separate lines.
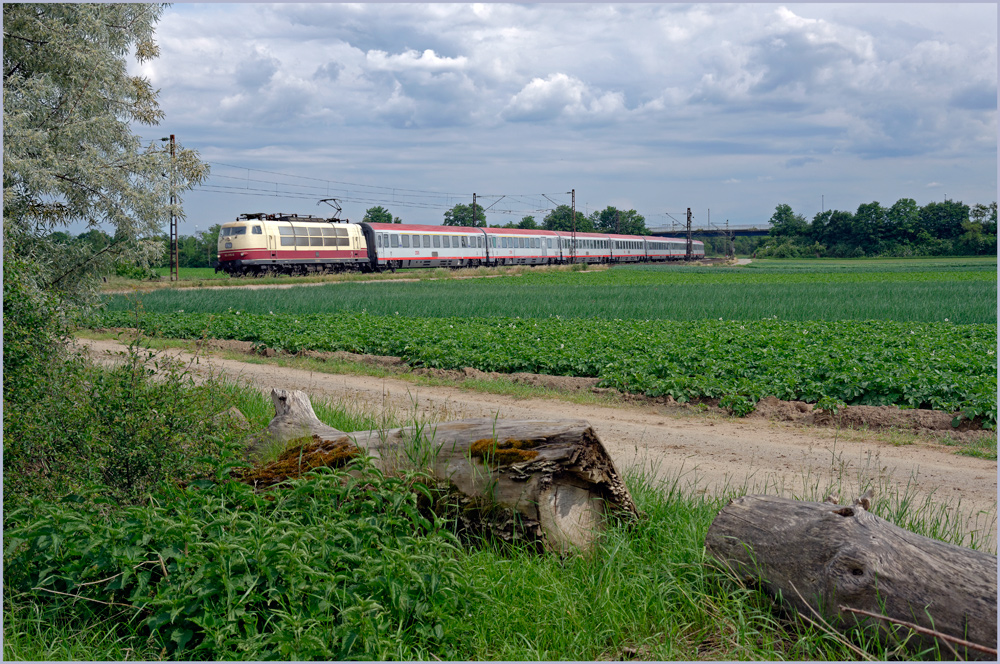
column 174, row 261
column 690, row 244
column 573, row 246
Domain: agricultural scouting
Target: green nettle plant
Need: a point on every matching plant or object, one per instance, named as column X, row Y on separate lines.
column 337, row 565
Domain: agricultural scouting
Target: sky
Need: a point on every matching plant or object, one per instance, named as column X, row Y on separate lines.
column 727, row 109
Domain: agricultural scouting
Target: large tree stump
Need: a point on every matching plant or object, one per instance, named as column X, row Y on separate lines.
column 550, row 481
column 832, row 560
column 293, row 418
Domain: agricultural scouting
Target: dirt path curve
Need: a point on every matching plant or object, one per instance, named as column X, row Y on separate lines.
column 707, row 453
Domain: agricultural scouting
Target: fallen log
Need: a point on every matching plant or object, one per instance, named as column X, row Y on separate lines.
column 849, row 567
column 551, row 482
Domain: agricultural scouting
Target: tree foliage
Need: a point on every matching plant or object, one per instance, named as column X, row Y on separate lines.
column 69, row 154
column 379, row 215
column 561, row 219
column 461, row 215
column 623, row 222
column 903, row 229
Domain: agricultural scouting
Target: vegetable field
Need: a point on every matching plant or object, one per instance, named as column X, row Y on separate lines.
column 912, row 333
column 932, row 365
column 959, row 292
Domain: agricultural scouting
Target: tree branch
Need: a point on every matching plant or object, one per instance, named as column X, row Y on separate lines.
column 922, row 630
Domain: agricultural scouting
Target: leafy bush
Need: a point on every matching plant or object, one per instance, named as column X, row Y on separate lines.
column 332, row 566
column 33, row 328
column 113, row 431
column 738, row 405
column 135, row 271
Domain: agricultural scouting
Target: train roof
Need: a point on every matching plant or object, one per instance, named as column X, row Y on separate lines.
column 519, row 231
column 424, row 228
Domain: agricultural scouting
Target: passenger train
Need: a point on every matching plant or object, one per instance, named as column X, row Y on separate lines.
column 267, row 244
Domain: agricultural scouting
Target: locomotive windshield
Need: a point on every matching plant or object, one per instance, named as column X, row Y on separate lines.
column 234, row 230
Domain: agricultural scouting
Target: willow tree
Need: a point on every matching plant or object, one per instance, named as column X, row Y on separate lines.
column 70, row 156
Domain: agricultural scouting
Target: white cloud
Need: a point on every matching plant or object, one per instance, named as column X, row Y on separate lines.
column 560, row 95
column 412, row 60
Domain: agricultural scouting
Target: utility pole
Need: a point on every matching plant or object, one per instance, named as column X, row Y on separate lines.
column 174, row 261
column 473, row 209
column 690, row 244
column 573, row 192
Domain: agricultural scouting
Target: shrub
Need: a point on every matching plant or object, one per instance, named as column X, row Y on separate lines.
column 115, row 430
column 738, row 405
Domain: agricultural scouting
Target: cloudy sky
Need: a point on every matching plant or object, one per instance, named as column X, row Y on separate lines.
column 727, row 109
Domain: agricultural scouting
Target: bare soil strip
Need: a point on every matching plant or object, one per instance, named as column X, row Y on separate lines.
column 705, row 453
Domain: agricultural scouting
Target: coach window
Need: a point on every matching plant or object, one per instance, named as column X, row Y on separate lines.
column 446, row 242
column 427, row 241
column 404, row 241
column 437, row 241
column 394, row 240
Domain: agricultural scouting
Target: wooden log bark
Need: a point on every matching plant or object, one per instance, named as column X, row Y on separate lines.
column 549, row 481
column 836, row 560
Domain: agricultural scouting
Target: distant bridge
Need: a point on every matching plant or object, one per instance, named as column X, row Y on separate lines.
column 679, row 230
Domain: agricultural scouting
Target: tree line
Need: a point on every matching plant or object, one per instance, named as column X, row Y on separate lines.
column 945, row 228
column 608, row 220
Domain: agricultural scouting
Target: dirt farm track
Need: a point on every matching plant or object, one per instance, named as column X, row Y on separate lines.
column 707, row 452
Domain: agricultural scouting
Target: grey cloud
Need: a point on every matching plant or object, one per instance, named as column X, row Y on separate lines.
column 798, row 162
column 975, row 98
column 330, row 71
column 256, row 71
column 792, row 61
